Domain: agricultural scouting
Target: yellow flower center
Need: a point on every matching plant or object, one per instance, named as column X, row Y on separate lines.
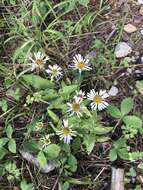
column 54, row 72
column 39, row 125
column 39, row 62
column 47, row 141
column 66, row 131
column 76, row 107
column 81, row 65
column 97, row 99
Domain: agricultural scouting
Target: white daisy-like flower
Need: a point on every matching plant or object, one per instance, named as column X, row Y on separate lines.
column 39, row 60
column 98, row 99
column 80, row 94
column 45, row 141
column 75, row 107
column 80, row 63
column 54, row 71
column 39, row 125
column 66, row 133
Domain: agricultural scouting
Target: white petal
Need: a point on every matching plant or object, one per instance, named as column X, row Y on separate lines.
column 105, row 95
column 101, row 92
column 48, row 71
column 38, row 55
column 65, row 123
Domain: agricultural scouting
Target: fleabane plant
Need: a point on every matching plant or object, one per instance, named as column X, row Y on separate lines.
column 71, row 115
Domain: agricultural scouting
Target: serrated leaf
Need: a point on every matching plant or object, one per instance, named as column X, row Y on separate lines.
column 126, row 105
column 112, row 155
column 133, row 120
column 114, row 111
column 37, row 82
column 123, row 153
column 12, row 146
column 15, row 94
column 42, row 159
column 120, row 143
column 4, row 105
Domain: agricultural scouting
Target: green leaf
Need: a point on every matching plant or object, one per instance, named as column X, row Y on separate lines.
column 26, row 186
column 42, row 159
column 12, row 146
column 9, row 131
column 114, row 111
column 49, row 94
column 112, row 155
column 132, row 172
column 4, row 105
column 84, row 2
column 37, row 82
column 140, row 165
column 136, row 155
column 102, row 130
column 72, row 162
column 89, row 142
column 3, row 141
column 86, row 111
column 66, row 186
column 102, row 139
column 126, row 106
column 15, row 93
column 52, row 151
column 133, row 120
column 13, row 2
column 139, row 85
column 76, row 144
column 31, row 145
column 123, row 153
column 54, row 117
column 67, row 90
column 120, row 143
column 3, row 152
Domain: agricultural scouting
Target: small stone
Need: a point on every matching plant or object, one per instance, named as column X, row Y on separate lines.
column 122, row 49
column 140, row 2
column 113, row 91
column 129, row 28
column 129, row 70
column 141, row 31
column 141, row 11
